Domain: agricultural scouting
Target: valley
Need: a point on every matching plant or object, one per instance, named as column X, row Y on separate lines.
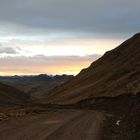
column 102, row 102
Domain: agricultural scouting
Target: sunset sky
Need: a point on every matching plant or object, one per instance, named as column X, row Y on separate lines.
column 62, row 36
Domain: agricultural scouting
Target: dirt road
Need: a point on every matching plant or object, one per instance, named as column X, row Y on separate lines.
column 54, row 125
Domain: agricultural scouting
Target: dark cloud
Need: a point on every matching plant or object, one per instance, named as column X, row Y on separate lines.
column 7, row 50
column 96, row 16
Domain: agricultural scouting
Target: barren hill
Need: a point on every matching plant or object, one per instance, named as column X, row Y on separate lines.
column 117, row 72
column 11, row 96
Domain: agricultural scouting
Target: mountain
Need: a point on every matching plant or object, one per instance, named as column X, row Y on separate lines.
column 11, row 96
column 36, row 86
column 116, row 73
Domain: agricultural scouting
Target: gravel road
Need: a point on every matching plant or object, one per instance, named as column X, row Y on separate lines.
column 54, row 125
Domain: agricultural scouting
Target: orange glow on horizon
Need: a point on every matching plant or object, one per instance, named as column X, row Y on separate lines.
column 71, row 69
column 55, row 56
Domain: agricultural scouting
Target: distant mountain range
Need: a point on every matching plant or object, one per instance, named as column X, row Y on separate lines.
column 116, row 73
column 37, row 85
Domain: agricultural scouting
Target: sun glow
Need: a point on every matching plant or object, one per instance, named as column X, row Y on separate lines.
column 52, row 57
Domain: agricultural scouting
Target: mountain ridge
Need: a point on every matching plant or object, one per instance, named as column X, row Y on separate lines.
column 114, row 74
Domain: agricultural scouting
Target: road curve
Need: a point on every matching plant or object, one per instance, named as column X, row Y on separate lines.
column 54, row 125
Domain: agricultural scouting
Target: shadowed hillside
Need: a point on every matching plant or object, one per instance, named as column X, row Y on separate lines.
column 117, row 72
column 11, row 96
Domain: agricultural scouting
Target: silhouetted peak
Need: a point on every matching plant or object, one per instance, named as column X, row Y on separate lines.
column 136, row 36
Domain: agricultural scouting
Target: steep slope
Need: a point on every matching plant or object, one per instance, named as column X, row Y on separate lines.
column 11, row 96
column 117, row 72
column 35, row 85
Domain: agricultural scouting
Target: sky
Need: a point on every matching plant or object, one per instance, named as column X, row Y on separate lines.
column 62, row 36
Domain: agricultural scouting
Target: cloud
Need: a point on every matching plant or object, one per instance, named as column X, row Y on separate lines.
column 62, row 47
column 80, row 16
column 7, row 50
column 45, row 64
column 61, row 22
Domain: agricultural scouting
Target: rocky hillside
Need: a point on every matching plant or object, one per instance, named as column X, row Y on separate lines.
column 116, row 73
